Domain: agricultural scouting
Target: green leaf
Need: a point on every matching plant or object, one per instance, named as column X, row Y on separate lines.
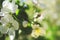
column 17, row 11
column 30, row 11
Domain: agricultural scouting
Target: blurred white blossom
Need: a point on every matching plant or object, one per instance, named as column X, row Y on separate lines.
column 9, row 6
column 11, row 34
column 4, row 29
column 20, row 31
column 34, row 1
column 25, row 24
column 15, row 24
column 1, row 14
column 11, row 37
column 44, row 4
column 7, row 18
column 48, row 3
column 37, row 31
column 8, row 22
column 41, row 16
column 35, row 14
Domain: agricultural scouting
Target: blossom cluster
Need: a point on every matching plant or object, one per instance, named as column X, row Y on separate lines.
column 38, row 15
column 8, row 23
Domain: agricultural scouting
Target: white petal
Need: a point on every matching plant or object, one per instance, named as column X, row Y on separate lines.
column 1, row 14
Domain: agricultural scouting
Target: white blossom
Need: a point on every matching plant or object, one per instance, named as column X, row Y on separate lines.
column 34, row 1
column 4, row 29
column 11, row 34
column 20, row 31
column 8, row 22
column 11, row 37
column 7, row 18
column 42, row 16
column 48, row 3
column 25, row 23
column 37, row 31
column 35, row 14
column 1, row 14
column 15, row 25
column 9, row 6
